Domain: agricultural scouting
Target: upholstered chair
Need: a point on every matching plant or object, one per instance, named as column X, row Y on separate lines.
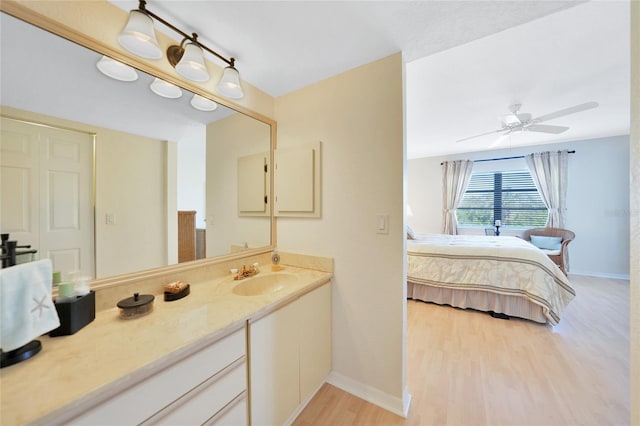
column 553, row 242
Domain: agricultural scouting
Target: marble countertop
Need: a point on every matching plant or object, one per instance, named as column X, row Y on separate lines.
column 111, row 353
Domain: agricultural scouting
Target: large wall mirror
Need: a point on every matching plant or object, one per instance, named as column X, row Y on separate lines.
column 153, row 169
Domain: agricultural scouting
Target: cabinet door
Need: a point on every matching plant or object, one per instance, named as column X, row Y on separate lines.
column 274, row 367
column 297, row 180
column 253, row 185
column 314, row 339
column 290, row 356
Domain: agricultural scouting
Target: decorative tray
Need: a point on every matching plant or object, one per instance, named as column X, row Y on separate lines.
column 170, row 296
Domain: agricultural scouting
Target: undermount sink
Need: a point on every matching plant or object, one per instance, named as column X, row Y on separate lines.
column 264, row 284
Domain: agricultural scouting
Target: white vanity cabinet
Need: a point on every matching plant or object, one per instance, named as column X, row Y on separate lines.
column 209, row 386
column 290, row 356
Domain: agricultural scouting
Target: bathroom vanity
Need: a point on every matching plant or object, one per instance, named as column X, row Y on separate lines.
column 188, row 361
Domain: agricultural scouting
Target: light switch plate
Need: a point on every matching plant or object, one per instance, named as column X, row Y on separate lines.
column 382, row 224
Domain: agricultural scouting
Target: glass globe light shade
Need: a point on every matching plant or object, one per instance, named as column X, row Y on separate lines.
column 139, row 36
column 203, row 104
column 116, row 70
column 229, row 84
column 191, row 65
column 165, row 89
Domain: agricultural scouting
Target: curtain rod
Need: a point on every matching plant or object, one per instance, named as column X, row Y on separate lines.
column 506, row 158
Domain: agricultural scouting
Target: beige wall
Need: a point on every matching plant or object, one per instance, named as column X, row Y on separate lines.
column 227, row 140
column 130, row 182
column 635, row 213
column 358, row 116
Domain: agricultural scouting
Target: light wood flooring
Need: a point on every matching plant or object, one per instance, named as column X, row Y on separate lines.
column 467, row 368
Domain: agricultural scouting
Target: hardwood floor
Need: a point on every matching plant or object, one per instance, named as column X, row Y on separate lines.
column 467, row 368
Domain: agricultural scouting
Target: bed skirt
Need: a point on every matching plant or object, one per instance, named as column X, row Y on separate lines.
column 513, row 306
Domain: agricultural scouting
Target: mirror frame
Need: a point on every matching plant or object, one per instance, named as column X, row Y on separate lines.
column 49, row 24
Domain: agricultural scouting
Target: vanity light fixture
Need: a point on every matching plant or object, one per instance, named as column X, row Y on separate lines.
column 116, row 70
column 138, row 37
column 165, row 89
column 203, row 104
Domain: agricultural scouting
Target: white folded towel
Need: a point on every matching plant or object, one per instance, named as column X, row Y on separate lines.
column 27, row 308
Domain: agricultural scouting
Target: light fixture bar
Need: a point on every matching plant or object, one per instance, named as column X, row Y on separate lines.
column 193, row 37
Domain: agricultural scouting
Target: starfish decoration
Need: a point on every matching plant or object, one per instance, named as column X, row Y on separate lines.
column 40, row 306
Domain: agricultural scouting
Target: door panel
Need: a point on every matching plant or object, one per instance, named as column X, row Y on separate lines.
column 65, row 259
column 16, row 200
column 19, row 182
column 47, row 193
column 63, row 201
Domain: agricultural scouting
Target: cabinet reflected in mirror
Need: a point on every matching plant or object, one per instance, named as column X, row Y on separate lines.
column 153, row 157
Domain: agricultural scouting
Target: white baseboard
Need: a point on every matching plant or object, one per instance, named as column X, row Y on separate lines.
column 303, row 404
column 406, row 402
column 626, row 277
column 396, row 405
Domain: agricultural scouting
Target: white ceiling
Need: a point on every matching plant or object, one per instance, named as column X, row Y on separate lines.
column 467, row 61
column 574, row 56
column 281, row 46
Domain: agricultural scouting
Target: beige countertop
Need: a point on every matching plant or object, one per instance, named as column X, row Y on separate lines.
column 111, row 353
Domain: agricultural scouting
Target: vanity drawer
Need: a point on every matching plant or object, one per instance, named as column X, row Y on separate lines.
column 207, row 399
column 234, row 414
column 141, row 401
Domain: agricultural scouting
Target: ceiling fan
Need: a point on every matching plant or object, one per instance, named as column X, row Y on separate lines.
column 523, row 122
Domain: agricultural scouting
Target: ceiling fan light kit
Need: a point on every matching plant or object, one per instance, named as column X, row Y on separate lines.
column 524, row 122
column 138, row 37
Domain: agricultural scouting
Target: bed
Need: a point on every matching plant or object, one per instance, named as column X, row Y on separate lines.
column 503, row 275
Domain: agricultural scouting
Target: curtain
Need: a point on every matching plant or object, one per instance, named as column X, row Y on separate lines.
column 455, row 179
column 549, row 173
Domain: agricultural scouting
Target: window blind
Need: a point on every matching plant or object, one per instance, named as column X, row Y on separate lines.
column 510, row 197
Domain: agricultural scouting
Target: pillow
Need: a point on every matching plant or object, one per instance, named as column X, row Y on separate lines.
column 547, row 243
column 410, row 234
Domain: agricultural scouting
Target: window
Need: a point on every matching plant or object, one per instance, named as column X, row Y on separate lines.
column 510, row 197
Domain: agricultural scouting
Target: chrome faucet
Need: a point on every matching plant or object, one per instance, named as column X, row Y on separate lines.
column 247, row 272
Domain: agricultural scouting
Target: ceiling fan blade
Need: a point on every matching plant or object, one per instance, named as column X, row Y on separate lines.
column 546, row 128
column 566, row 111
column 481, row 134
